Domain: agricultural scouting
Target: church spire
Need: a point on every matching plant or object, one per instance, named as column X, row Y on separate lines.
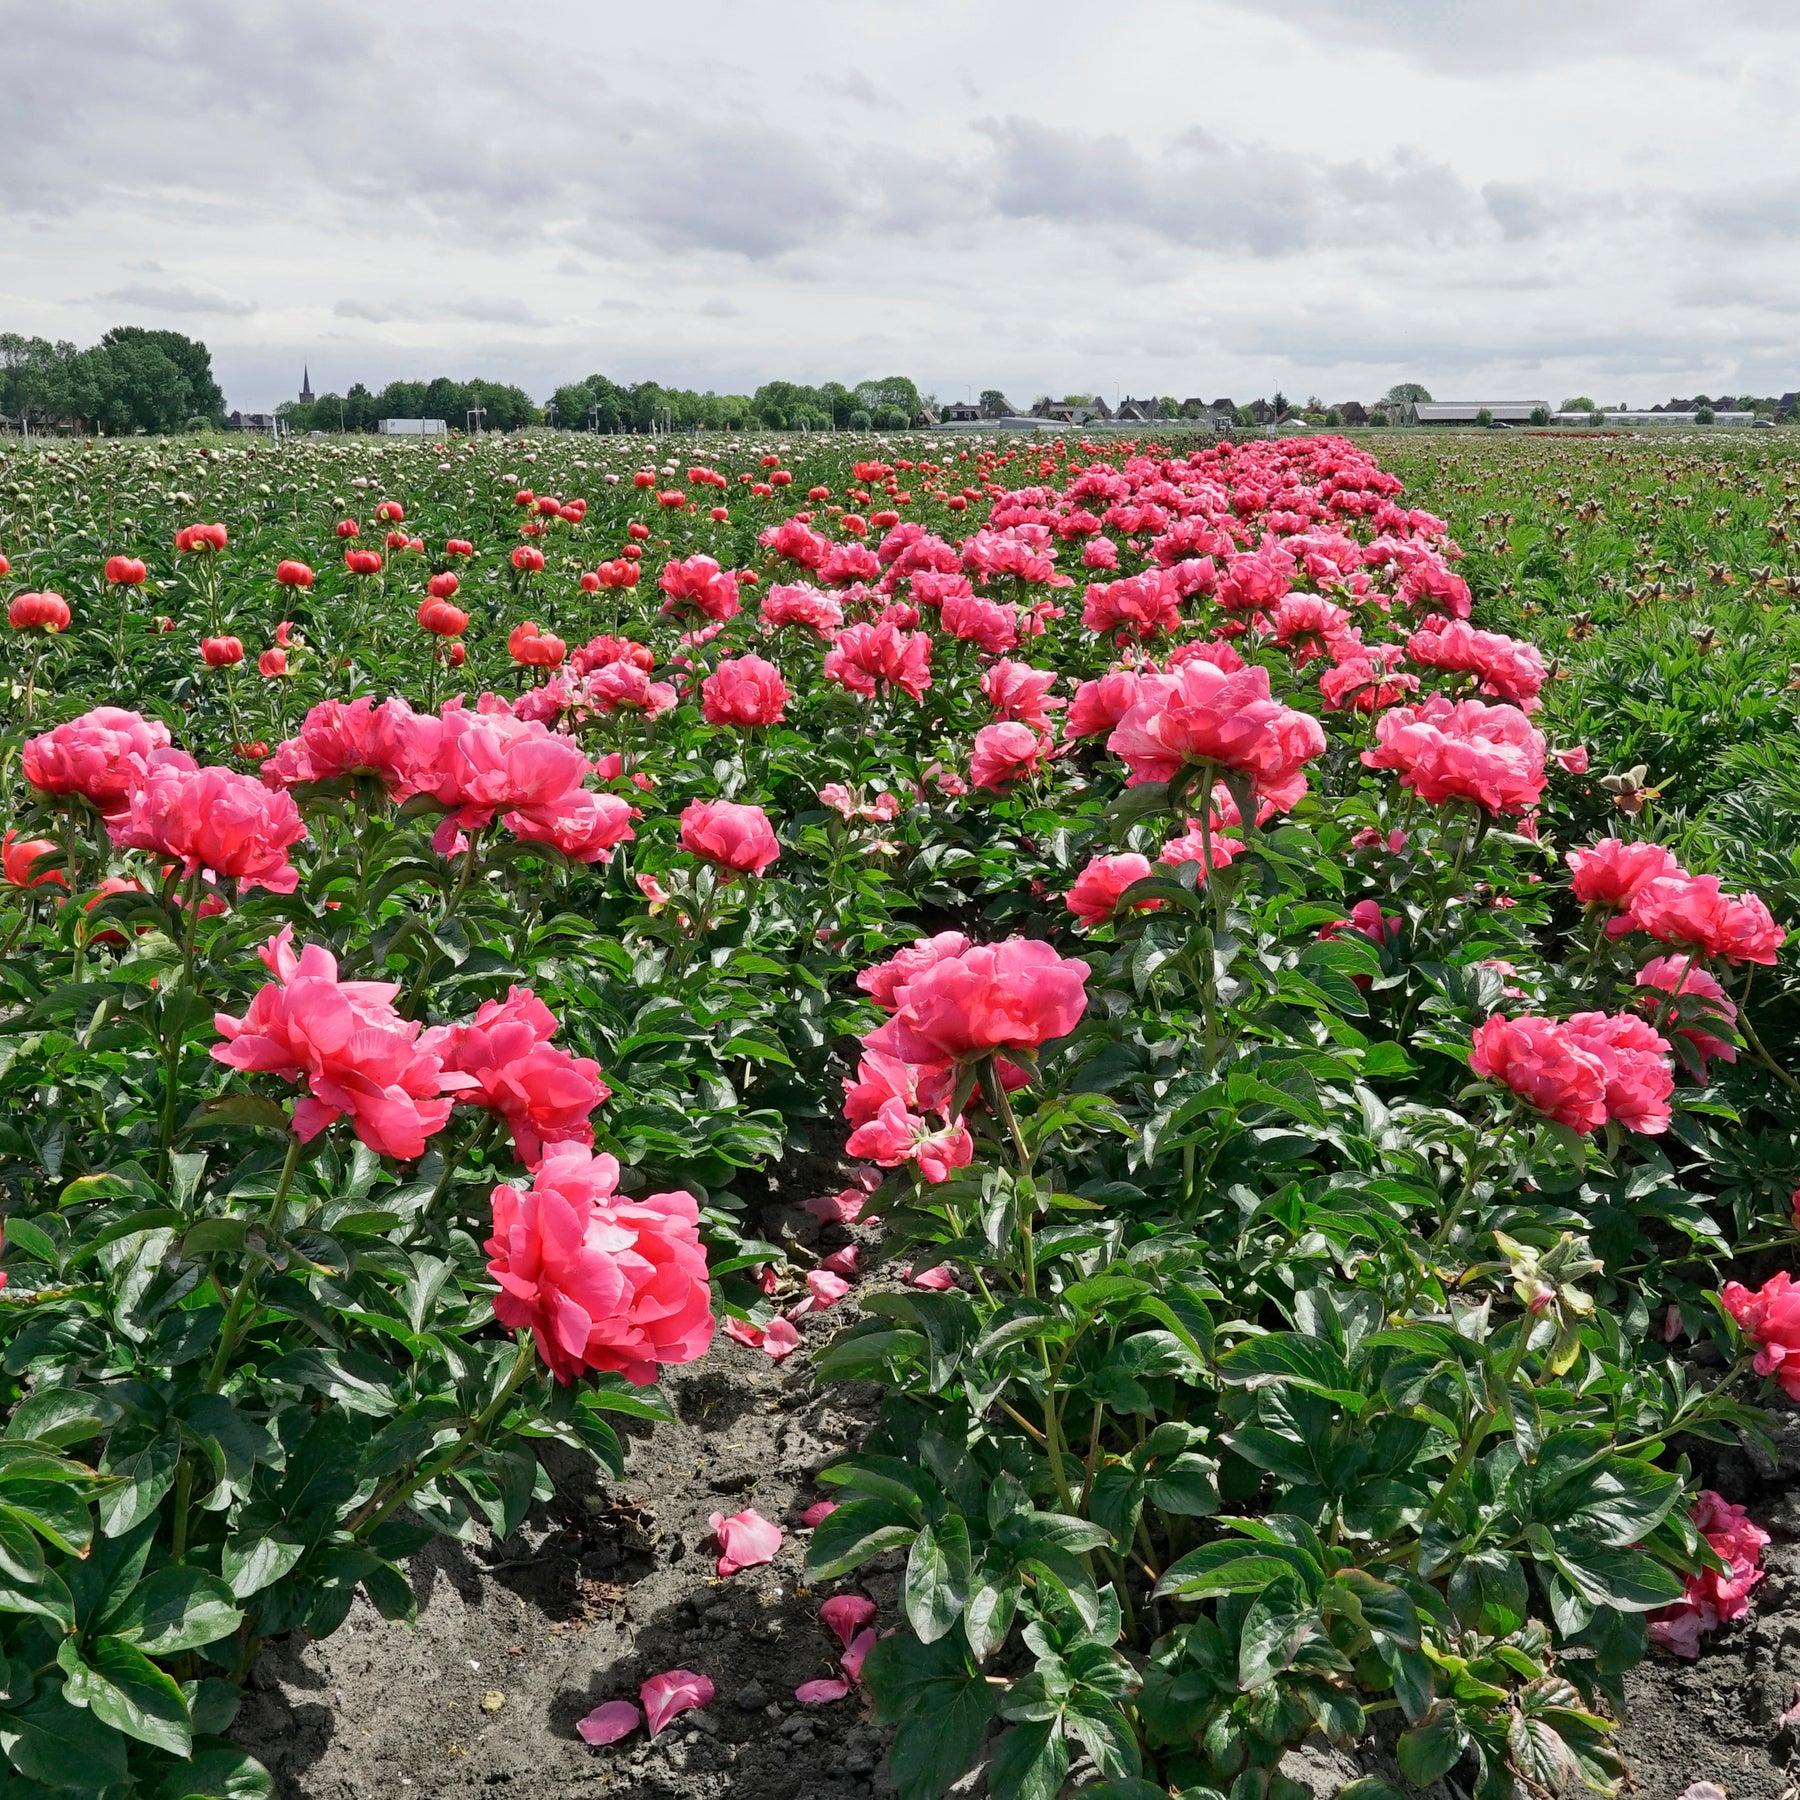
column 306, row 392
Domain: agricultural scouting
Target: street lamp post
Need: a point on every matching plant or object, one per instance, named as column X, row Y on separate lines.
column 475, row 415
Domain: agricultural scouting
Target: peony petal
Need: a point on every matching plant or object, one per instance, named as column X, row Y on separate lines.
column 608, row 1722
column 672, row 1693
column 821, row 1693
column 847, row 1614
column 816, row 1514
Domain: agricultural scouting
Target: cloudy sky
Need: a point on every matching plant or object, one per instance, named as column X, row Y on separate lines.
column 1501, row 198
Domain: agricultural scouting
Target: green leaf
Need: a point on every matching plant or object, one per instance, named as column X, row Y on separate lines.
column 258, row 1560
column 938, row 1577
column 1228, row 1566
column 61, row 1415
column 1030, row 1763
column 939, row 1705
column 145, row 1475
column 234, row 1115
column 219, row 1772
column 62, row 1746
column 1428, row 1751
column 1370, row 1787
column 1606, row 1577
column 129, row 1692
column 56, row 1509
column 1103, row 1732
column 27, row 1583
column 177, row 1608
column 1279, row 1621
column 855, row 1532
column 34, row 1241
column 1488, row 1592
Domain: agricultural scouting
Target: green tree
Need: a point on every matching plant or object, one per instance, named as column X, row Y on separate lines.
column 1540, row 415
column 1404, row 391
column 191, row 359
column 1483, row 416
column 1581, row 403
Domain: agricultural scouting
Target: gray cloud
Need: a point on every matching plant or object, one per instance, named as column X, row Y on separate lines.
column 177, row 299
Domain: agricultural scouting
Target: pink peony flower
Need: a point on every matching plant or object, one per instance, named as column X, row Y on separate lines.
column 669, row 1695
column 603, row 1281
column 626, row 687
column 389, row 741
column 104, row 756
column 743, row 690
column 1681, row 979
column 584, row 826
column 1468, row 750
column 1019, row 692
column 1016, row 994
column 1771, row 1317
column 794, row 603
column 699, row 585
column 1691, row 909
column 729, row 835
column 882, row 982
column 1005, row 753
column 746, row 1539
column 895, row 1136
column 1563, row 1080
column 1713, row 1599
column 1610, row 872
column 345, row 1040
column 213, row 819
column 1140, row 606
column 1635, row 1061
column 867, row 658
column 1095, row 896
column 544, row 1094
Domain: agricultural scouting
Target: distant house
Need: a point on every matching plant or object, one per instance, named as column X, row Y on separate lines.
column 995, row 405
column 1463, row 412
column 243, row 421
column 1135, row 412
column 1354, row 412
column 961, row 412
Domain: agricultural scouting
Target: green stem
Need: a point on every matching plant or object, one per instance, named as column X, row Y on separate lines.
column 468, row 1441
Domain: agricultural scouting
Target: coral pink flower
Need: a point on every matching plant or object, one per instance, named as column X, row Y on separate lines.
column 844, row 563
column 544, row 1094
column 488, row 761
column 1227, row 719
column 668, row 1696
column 1018, row 994
column 1307, row 625
column 1367, row 919
column 603, row 1281
column 1140, row 606
column 346, row 1041
column 1462, row 751
column 987, row 624
column 535, row 649
column 1006, row 753
column 599, row 651
column 103, row 756
column 18, row 856
column 584, row 826
column 1680, row 978
column 624, row 687
column 1019, row 692
column 1610, row 872
column 729, row 835
column 895, row 1136
column 1771, row 1317
column 699, row 585
column 1563, row 1080
column 608, row 1722
column 213, row 819
column 388, row 740
column 1095, row 896
column 743, row 690
column 745, row 1540
column 797, row 542
column 1365, row 681
column 1691, row 909
column 1191, row 846
column 864, row 658
column 39, row 612
column 1506, row 668
column 1713, row 1599
column 1635, row 1061
column 1099, row 705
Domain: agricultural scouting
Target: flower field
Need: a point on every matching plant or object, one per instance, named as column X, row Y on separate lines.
column 1243, row 988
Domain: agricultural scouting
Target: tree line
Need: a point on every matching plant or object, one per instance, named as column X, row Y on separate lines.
column 132, row 380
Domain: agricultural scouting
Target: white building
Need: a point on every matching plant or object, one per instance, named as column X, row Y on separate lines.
column 1462, row 412
column 1631, row 421
column 413, row 428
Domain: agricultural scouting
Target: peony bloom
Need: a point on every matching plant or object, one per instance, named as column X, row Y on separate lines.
column 489, row 761
column 213, row 819
column 794, row 603
column 527, row 559
column 624, row 687
column 544, row 1094
column 19, row 855
column 1095, row 896
column 729, row 835
column 1227, row 719
column 1635, row 1061
column 535, row 649
column 745, row 1540
column 584, row 826
column 1506, row 668
column 360, row 737
column 201, row 539
column 987, row 624
column 1018, row 994
column 1680, row 979
column 883, row 982
column 442, row 619
column 743, row 690
column 39, row 612
column 345, row 1040
column 1691, row 910
column 864, row 658
column 221, row 652
column 1464, row 750
column 603, row 1281
column 1018, row 692
column 1365, row 681
column 1771, row 1317
column 103, row 756
column 699, row 585
column 1308, row 626
column 895, row 1136
column 1099, row 705
column 272, row 664
column 1005, row 753
column 126, row 571
column 1610, row 872
column 293, row 574
column 1368, row 920
column 1562, row 1080
column 1713, row 1599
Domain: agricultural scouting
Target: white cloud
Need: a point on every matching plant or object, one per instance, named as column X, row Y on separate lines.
column 1225, row 196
